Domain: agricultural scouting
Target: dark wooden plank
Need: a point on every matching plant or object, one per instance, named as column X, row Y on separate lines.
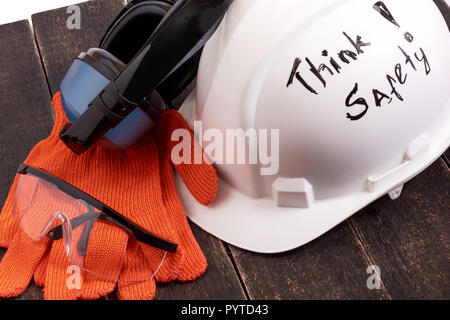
column 26, row 116
column 33, row 292
column 58, row 47
column 24, row 99
column 331, row 267
column 61, row 45
column 409, row 239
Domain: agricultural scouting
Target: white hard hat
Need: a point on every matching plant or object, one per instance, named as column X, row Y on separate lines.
column 359, row 91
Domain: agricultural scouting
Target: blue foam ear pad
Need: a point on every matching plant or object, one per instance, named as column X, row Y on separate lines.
column 85, row 79
column 75, row 94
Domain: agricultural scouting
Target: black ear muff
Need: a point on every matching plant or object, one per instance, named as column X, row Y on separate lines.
column 129, row 32
column 131, row 29
column 158, row 44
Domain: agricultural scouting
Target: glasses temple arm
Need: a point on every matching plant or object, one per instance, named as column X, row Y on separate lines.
column 142, row 236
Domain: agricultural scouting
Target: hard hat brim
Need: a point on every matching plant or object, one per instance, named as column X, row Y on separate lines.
column 258, row 225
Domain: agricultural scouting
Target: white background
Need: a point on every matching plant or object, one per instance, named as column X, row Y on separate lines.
column 14, row 10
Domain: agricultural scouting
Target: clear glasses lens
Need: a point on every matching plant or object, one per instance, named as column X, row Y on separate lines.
column 96, row 245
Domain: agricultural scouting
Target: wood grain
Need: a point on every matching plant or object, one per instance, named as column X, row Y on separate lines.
column 26, row 116
column 409, row 238
column 33, row 292
column 331, row 267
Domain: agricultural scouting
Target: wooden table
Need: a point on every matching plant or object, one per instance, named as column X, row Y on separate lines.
column 408, row 238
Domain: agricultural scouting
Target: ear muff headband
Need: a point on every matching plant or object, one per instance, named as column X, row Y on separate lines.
column 128, row 34
column 133, row 27
column 129, row 6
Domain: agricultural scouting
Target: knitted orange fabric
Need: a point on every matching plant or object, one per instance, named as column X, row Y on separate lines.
column 132, row 183
column 202, row 181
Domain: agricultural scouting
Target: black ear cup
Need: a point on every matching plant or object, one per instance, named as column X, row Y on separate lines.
column 128, row 34
column 131, row 29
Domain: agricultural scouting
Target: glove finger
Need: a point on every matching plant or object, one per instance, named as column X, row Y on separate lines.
column 195, row 262
column 198, row 174
column 136, row 268
column 60, row 283
column 41, row 269
column 53, row 139
column 166, row 264
column 105, row 256
column 18, row 264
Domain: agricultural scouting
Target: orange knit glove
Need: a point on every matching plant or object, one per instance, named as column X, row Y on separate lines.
column 129, row 181
column 201, row 180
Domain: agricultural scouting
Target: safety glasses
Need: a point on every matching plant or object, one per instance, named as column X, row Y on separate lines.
column 94, row 234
